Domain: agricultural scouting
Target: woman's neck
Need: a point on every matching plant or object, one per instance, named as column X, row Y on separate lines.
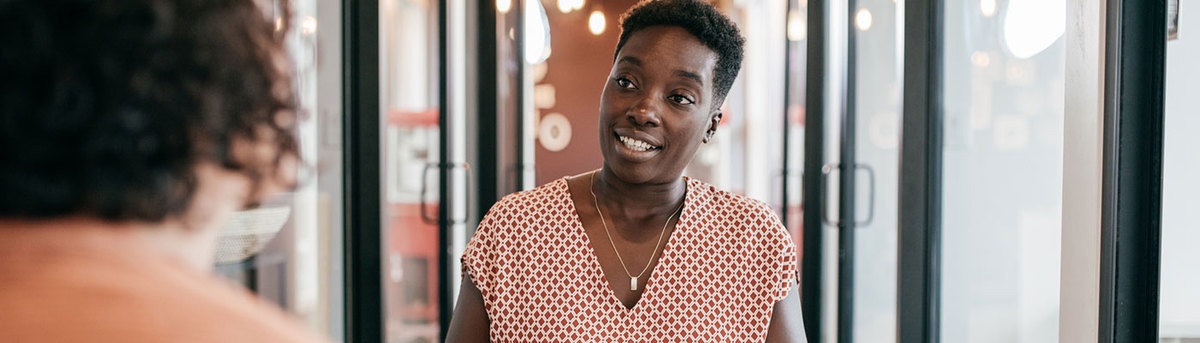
column 637, row 200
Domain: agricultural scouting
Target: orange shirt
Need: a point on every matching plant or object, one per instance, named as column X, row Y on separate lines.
column 723, row 269
column 99, row 285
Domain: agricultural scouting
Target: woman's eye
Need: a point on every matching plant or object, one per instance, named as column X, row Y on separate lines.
column 624, row 83
column 681, row 99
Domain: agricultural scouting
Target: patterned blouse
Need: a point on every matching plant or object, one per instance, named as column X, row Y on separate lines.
column 721, row 272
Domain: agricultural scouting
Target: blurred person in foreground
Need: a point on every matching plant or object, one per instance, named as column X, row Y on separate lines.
column 130, row 130
column 636, row 252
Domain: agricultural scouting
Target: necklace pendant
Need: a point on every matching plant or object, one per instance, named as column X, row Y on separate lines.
column 633, row 283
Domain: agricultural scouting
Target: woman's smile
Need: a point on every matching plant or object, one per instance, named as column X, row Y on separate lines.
column 637, row 145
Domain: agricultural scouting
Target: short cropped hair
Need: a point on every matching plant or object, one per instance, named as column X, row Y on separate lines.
column 108, row 106
column 700, row 19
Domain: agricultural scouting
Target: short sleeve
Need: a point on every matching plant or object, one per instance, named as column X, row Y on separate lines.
column 781, row 257
column 478, row 259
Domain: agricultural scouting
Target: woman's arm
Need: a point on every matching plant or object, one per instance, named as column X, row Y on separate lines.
column 470, row 322
column 787, row 322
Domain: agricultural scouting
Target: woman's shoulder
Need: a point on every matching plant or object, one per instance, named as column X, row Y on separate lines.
column 714, row 198
column 736, row 216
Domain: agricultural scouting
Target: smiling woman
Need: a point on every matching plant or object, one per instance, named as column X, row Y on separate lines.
column 636, row 251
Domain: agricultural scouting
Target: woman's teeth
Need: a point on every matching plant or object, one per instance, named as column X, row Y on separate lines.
column 636, row 145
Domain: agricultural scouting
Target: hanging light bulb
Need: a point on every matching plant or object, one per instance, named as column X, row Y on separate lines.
column 503, row 6
column 578, row 4
column 565, row 6
column 597, row 23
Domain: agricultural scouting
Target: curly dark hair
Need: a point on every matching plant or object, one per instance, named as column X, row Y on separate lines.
column 700, row 19
column 108, row 106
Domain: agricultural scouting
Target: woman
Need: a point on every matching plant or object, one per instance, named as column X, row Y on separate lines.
column 130, row 131
column 634, row 251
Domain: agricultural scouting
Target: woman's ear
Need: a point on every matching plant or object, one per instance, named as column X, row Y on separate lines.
column 713, row 121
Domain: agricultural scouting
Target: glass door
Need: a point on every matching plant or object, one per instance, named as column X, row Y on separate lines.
column 1179, row 320
column 858, row 171
column 873, row 119
column 422, row 115
column 1003, row 79
column 450, row 95
column 411, row 149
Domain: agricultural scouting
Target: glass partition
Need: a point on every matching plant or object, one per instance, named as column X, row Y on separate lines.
column 877, row 69
column 411, row 146
column 1003, row 65
column 1179, row 305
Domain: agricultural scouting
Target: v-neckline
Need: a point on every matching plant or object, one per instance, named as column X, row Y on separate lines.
column 664, row 258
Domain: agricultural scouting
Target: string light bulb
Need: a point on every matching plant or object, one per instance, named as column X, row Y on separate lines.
column 597, row 22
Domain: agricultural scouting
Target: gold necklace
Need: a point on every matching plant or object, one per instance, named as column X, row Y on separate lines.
column 633, row 280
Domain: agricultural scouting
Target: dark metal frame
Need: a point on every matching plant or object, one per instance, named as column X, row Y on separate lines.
column 787, row 122
column 812, row 263
column 919, row 281
column 444, row 277
column 362, row 178
column 1131, row 196
column 498, row 133
column 487, row 149
column 847, row 198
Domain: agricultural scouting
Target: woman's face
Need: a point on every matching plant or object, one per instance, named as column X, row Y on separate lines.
column 657, row 106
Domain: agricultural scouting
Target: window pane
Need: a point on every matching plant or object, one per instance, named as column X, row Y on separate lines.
column 408, row 86
column 1179, row 317
column 1002, row 176
column 879, row 31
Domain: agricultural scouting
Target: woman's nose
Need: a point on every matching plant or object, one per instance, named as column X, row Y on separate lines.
column 644, row 113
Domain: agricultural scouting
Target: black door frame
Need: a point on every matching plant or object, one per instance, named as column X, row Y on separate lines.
column 920, row 217
column 362, row 178
column 1131, row 192
column 812, row 263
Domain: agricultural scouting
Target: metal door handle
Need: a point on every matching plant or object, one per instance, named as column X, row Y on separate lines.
column 870, row 198
column 467, row 190
column 828, row 169
column 425, row 216
column 432, row 220
column 825, row 171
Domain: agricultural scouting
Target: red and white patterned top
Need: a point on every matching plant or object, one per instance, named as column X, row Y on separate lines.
column 721, row 272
